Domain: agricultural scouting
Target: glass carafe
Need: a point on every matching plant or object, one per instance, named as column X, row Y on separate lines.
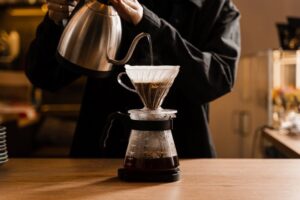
column 151, row 153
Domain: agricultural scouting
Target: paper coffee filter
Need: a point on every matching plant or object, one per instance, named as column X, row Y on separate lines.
column 146, row 74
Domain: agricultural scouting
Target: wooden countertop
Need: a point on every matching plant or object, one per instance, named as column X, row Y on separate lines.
column 95, row 179
column 288, row 144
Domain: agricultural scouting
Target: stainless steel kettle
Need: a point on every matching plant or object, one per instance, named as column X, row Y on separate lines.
column 91, row 39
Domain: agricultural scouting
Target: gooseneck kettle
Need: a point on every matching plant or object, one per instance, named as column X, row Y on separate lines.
column 91, row 39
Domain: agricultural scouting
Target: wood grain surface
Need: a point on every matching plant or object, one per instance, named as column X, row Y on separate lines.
column 95, row 179
column 288, row 144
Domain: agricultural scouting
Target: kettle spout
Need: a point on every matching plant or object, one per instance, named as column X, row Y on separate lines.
column 131, row 49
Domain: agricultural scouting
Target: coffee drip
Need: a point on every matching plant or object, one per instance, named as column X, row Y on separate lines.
column 151, row 83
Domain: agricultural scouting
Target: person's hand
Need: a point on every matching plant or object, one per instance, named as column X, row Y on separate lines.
column 129, row 10
column 60, row 9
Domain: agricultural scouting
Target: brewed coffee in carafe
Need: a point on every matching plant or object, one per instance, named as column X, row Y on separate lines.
column 153, row 144
column 151, row 153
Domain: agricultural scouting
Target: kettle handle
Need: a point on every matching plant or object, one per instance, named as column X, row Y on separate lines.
column 131, row 49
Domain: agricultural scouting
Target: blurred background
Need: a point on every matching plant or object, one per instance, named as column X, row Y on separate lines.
column 41, row 124
column 269, row 64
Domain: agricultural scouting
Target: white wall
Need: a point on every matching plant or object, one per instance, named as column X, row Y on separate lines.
column 258, row 33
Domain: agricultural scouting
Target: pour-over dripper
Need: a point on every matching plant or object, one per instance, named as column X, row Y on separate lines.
column 151, row 83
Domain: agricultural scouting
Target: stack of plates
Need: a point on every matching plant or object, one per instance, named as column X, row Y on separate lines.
column 3, row 149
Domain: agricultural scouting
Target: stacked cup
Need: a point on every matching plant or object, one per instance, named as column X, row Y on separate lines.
column 3, row 149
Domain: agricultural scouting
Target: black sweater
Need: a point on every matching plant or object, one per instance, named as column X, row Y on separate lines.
column 202, row 36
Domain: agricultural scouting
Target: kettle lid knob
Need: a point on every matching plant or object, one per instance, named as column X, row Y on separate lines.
column 104, row 2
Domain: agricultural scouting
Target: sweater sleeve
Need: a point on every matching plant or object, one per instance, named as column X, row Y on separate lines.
column 205, row 73
column 42, row 68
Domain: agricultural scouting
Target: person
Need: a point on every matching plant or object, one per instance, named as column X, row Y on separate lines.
column 201, row 36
